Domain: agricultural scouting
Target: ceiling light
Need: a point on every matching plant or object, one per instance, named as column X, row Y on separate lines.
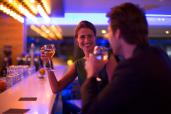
column 167, row 32
column 32, row 6
column 43, row 13
column 32, row 1
column 10, row 0
column 46, row 6
column 103, row 31
column 10, row 12
column 98, row 19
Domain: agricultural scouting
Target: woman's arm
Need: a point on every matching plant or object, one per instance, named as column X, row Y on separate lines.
column 69, row 76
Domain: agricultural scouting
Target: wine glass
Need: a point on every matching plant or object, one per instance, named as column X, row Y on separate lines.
column 101, row 53
column 47, row 52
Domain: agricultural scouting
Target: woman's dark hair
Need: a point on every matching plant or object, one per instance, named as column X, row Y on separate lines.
column 78, row 53
column 85, row 24
column 131, row 21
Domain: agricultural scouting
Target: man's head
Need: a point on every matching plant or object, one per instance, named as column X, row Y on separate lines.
column 128, row 22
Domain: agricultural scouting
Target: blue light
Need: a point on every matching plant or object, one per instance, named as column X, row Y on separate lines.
column 102, row 42
column 157, row 15
column 97, row 19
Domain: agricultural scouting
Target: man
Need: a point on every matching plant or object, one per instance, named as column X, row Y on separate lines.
column 141, row 83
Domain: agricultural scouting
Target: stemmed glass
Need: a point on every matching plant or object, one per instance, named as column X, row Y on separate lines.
column 47, row 52
column 101, row 53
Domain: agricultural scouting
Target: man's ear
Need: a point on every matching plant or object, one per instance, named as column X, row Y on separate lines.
column 117, row 34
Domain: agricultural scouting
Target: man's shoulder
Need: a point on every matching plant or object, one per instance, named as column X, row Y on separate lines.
column 151, row 50
column 157, row 54
column 148, row 61
column 125, row 68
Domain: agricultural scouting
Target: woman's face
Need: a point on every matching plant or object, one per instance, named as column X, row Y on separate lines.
column 86, row 40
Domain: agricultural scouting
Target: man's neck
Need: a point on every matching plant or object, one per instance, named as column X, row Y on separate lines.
column 128, row 50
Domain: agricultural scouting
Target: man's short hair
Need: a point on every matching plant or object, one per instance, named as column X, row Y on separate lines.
column 131, row 21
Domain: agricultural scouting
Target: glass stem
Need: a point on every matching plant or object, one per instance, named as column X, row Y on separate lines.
column 44, row 64
column 50, row 66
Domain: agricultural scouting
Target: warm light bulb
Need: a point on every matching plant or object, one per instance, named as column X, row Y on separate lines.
column 10, row 0
column 32, row 1
column 103, row 31
column 69, row 62
column 167, row 32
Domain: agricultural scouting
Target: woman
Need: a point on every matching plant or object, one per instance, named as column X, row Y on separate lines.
column 85, row 38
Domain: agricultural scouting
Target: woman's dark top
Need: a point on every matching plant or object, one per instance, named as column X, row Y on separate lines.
column 81, row 73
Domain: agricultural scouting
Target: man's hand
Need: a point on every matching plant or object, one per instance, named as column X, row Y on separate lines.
column 93, row 66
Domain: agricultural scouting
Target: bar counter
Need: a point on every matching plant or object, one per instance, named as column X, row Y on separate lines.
column 31, row 86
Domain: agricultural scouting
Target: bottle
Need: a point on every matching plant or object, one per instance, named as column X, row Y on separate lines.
column 4, row 71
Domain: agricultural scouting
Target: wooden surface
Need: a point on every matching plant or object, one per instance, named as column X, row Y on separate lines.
column 11, row 33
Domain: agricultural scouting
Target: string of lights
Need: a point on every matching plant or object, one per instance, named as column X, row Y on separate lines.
column 31, row 9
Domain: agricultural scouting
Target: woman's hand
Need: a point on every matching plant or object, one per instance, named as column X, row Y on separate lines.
column 93, row 65
column 44, row 56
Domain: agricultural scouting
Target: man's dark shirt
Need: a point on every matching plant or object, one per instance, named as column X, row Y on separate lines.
column 140, row 85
